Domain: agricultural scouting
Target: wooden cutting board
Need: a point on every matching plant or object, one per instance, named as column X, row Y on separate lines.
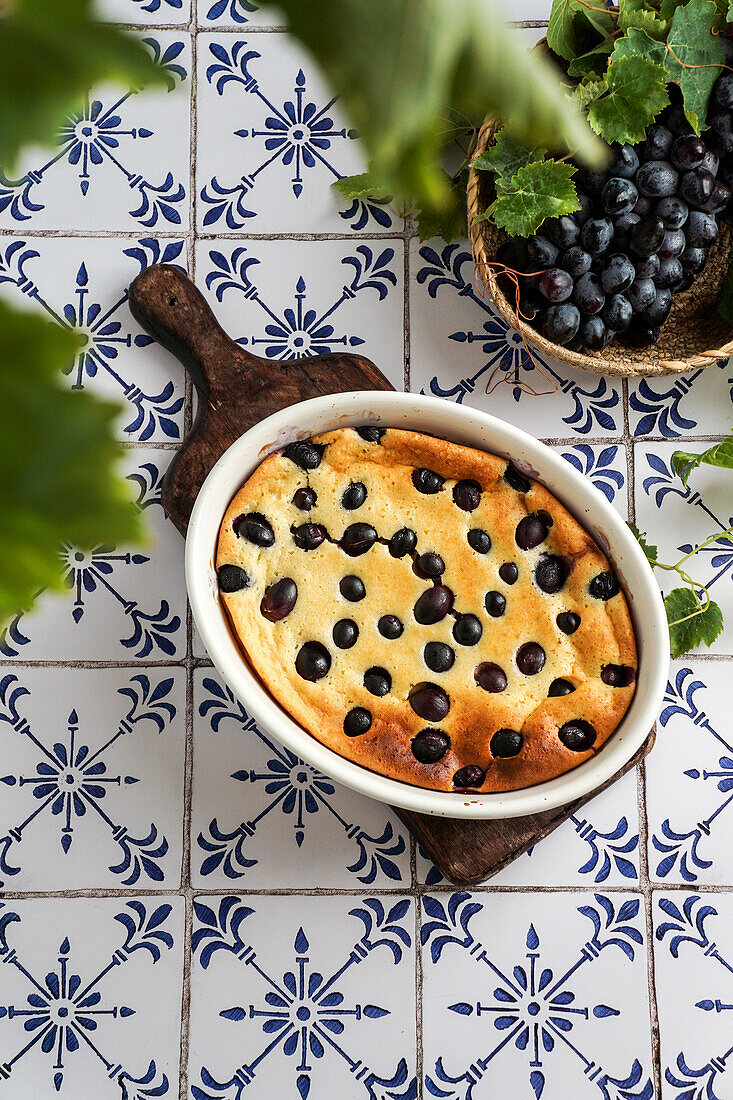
column 237, row 390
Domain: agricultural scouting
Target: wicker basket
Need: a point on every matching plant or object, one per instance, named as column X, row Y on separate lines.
column 694, row 335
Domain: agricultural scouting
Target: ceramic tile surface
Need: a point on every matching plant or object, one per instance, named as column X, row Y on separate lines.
column 189, row 911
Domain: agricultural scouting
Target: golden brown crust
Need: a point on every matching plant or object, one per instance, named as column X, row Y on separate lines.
column 605, row 635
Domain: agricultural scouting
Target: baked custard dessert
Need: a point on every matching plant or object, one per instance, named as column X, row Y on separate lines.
column 426, row 610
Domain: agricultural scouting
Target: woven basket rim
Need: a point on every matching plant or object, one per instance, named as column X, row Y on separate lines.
column 482, row 254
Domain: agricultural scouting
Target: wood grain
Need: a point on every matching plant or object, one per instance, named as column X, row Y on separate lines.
column 237, row 390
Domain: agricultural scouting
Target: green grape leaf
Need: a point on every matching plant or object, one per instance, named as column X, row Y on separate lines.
column 52, row 52
column 651, row 552
column 702, row 628
column 694, row 57
column 636, row 94
column 505, row 156
column 729, row 13
column 725, row 298
column 540, row 190
column 669, row 7
column 58, row 479
column 637, row 43
column 575, row 26
column 364, row 186
column 588, row 92
column 636, row 13
column 720, row 454
column 593, row 63
column 400, row 65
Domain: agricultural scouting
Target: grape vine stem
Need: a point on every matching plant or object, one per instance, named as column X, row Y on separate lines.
column 695, row 586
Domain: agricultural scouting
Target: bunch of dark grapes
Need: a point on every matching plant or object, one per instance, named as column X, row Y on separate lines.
column 642, row 233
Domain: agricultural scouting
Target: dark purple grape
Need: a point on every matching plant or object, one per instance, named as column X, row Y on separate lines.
column 479, row 540
column 586, row 208
column 513, row 254
column 306, row 455
column 593, row 179
column 657, row 178
column 532, row 530
column 719, row 199
column 673, row 211
column 578, row 735
column 670, row 277
column 619, row 196
column 467, row 630
column 560, row 687
column 470, row 777
column 603, row 586
column 495, row 604
column 623, row 227
column 647, row 237
column 304, row 499
column 551, row 573
column 438, row 656
column 352, row 588
column 433, row 605
column 658, row 143
column 345, row 633
column 658, row 311
column 589, row 294
column 232, row 578
column 723, row 92
column 618, row 274
column 711, row 162
column 377, row 680
column 618, row 676
column 643, row 206
column 357, row 722
column 625, row 161
column 726, row 170
column 641, row 294
column 429, row 746
column 556, row 285
column 689, row 280
column 491, row 677
column 506, row 743
column 647, row 267
column 508, row 572
column 530, row 658
column 693, row 260
column 429, row 701
column 617, row 312
column 429, row 564
column 677, row 121
column 673, row 244
column 371, row 435
column 279, row 599
column 701, row 230
column 576, row 261
column 568, row 622
column 254, row 528
column 313, row 661
column 515, row 480
column 697, row 186
column 389, row 626
column 402, row 542
column 563, row 231
column 541, row 253
column 642, row 335
column 427, row 481
column 354, row 496
column 721, row 133
column 688, row 151
column 594, row 335
column 357, row 539
column 467, row 494
column 309, row 536
column 596, row 235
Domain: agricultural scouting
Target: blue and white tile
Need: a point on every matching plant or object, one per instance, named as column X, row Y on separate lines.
column 690, row 778
column 82, row 284
column 121, row 161
column 118, row 603
column 303, row 997
column 605, row 465
column 247, row 15
column 462, row 350
column 89, row 757
column 145, row 12
column 288, row 299
column 263, row 819
column 272, row 142
column 693, row 972
column 597, row 846
column 536, row 996
column 674, row 406
column 77, row 1018
column 678, row 519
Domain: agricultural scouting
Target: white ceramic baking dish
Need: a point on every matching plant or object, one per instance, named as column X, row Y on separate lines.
column 461, row 425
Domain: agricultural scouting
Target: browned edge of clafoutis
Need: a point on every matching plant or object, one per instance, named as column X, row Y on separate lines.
column 237, row 390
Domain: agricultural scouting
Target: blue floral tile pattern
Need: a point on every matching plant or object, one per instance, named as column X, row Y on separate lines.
column 537, row 1013
column 81, row 283
column 121, row 161
column 76, row 1016
column 249, row 15
column 145, row 11
column 303, row 997
column 270, row 167
column 261, row 817
column 670, row 406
